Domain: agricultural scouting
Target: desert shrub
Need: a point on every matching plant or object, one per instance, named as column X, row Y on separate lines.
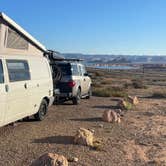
column 138, row 84
column 128, row 106
column 106, row 82
column 96, row 84
column 127, row 85
column 109, row 92
column 98, row 73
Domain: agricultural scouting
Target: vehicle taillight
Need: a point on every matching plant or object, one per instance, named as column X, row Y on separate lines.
column 71, row 83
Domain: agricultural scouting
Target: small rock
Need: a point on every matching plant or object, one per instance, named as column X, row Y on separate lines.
column 132, row 100
column 122, row 104
column 119, row 111
column 92, row 130
column 50, row 159
column 84, row 137
column 111, row 116
column 101, row 125
column 75, row 159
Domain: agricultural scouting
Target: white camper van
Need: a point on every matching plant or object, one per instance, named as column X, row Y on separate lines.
column 26, row 86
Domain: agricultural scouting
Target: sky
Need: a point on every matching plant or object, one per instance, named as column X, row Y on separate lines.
column 135, row 27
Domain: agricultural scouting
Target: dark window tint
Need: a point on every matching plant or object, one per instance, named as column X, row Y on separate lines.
column 65, row 69
column 1, row 73
column 18, row 70
column 75, row 70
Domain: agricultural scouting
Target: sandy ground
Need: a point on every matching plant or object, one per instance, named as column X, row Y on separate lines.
column 140, row 139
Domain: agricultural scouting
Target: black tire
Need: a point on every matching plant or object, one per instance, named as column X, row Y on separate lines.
column 76, row 99
column 40, row 115
column 89, row 93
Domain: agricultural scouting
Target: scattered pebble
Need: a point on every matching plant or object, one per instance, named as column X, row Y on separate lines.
column 101, row 125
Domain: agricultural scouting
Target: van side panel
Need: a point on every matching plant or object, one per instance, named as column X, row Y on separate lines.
column 41, row 82
column 2, row 96
column 23, row 98
column 17, row 93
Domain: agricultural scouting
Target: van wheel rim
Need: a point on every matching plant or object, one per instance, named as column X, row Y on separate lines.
column 43, row 110
column 79, row 95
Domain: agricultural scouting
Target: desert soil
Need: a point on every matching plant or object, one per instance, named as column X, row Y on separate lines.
column 140, row 138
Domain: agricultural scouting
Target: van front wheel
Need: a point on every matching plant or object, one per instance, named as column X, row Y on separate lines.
column 40, row 115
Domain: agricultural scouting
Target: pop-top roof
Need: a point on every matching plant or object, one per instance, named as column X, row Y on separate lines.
column 22, row 31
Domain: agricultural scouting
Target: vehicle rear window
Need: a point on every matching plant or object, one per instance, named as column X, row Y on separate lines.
column 65, row 69
column 18, row 70
column 75, row 70
column 1, row 73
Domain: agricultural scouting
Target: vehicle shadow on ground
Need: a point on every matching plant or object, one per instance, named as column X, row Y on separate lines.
column 98, row 119
column 65, row 140
column 152, row 97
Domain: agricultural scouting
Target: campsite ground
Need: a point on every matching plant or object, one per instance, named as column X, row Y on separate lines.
column 140, row 138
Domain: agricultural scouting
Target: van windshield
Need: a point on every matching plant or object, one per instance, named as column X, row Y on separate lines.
column 1, row 73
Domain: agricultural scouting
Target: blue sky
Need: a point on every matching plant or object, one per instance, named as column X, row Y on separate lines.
column 93, row 26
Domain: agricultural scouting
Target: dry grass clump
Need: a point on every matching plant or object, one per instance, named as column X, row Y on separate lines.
column 109, row 92
column 96, row 85
column 135, row 83
column 128, row 106
column 106, row 82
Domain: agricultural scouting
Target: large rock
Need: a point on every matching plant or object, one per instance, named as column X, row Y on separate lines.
column 133, row 100
column 111, row 116
column 84, row 137
column 50, row 159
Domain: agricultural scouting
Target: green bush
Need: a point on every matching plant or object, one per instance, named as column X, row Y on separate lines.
column 128, row 106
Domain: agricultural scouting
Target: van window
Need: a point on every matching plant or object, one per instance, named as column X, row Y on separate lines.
column 18, row 70
column 74, row 69
column 80, row 71
column 1, row 73
column 83, row 70
column 16, row 41
column 65, row 69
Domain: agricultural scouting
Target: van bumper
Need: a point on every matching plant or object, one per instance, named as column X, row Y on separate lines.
column 51, row 100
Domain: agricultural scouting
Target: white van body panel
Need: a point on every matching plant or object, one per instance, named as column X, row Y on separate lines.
column 23, row 98
column 2, row 101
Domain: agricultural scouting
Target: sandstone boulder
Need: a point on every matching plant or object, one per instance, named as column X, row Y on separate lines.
column 50, row 159
column 111, row 116
column 84, row 137
column 133, row 100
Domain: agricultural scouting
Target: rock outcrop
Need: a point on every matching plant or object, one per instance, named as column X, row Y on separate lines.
column 84, row 137
column 133, row 100
column 111, row 116
column 50, row 159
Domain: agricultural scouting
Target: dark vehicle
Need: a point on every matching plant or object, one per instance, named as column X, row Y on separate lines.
column 71, row 80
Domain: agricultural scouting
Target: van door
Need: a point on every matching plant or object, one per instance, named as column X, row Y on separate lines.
column 2, row 95
column 17, row 89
